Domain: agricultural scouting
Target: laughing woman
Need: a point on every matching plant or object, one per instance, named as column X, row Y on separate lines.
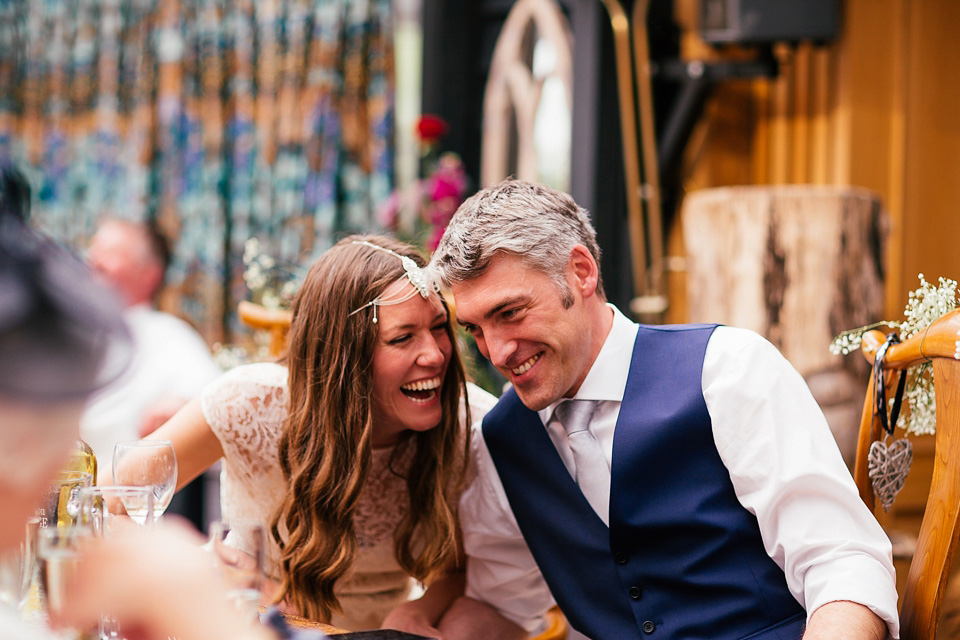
column 352, row 449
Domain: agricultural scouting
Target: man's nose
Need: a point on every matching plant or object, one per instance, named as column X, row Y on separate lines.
column 500, row 349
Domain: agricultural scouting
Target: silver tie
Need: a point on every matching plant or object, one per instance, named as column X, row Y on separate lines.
column 592, row 472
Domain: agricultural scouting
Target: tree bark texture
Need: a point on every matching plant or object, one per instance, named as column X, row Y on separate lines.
column 797, row 264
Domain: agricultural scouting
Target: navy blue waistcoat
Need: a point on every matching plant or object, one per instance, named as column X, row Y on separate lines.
column 682, row 559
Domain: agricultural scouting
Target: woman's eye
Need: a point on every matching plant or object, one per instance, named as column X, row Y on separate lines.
column 440, row 327
column 400, row 339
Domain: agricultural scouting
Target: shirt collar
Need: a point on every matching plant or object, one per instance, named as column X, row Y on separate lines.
column 607, row 378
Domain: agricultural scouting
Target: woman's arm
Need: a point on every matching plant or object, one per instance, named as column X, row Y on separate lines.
column 422, row 615
column 196, row 445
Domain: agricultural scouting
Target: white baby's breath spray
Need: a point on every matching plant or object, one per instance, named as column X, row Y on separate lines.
column 924, row 305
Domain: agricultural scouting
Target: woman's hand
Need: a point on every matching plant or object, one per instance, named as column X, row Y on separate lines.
column 411, row 618
column 420, row 616
column 158, row 583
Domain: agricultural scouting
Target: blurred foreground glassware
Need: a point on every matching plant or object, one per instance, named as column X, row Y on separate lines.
column 58, row 558
column 60, row 504
column 18, row 569
column 239, row 548
column 147, row 463
column 101, row 506
column 101, row 510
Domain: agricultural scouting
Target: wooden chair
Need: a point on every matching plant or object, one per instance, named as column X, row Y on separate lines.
column 932, row 561
column 274, row 321
column 556, row 626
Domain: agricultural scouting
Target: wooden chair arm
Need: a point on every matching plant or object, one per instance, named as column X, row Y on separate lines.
column 939, row 340
column 260, row 317
column 276, row 321
column 938, row 537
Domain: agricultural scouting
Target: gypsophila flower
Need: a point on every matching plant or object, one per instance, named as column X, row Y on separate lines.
column 229, row 356
column 849, row 341
column 271, row 284
column 920, row 416
column 924, row 305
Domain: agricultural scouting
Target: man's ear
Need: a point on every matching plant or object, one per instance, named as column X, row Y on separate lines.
column 151, row 280
column 584, row 270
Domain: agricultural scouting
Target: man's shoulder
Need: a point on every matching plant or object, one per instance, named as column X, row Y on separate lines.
column 508, row 406
column 737, row 339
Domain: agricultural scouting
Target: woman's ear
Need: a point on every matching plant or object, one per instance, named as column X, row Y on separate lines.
column 584, row 270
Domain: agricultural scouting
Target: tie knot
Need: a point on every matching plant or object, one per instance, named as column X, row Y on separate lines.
column 575, row 415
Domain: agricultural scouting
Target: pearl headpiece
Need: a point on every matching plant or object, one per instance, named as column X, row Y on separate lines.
column 416, row 276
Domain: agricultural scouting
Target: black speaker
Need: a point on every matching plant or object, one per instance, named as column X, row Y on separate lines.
column 768, row 21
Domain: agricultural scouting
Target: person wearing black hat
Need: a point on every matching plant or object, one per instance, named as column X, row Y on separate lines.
column 62, row 337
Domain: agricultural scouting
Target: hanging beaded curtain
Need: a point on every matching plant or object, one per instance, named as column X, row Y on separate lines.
column 219, row 119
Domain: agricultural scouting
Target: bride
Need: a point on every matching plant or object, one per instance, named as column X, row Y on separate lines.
column 352, row 449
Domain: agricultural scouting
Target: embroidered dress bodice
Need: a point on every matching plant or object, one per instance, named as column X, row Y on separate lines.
column 246, row 409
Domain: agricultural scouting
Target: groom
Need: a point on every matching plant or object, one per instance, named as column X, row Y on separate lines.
column 672, row 482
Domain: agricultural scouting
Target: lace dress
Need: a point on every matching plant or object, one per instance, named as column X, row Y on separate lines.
column 246, row 409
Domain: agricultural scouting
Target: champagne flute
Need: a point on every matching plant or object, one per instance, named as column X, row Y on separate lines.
column 17, row 568
column 147, row 463
column 58, row 557
column 239, row 548
column 100, row 509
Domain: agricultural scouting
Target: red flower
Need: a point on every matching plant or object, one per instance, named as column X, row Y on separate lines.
column 431, row 128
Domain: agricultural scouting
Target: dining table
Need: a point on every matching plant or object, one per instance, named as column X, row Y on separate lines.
column 299, row 623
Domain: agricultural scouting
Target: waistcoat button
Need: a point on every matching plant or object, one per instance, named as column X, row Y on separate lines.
column 635, row 593
column 620, row 557
column 648, row 627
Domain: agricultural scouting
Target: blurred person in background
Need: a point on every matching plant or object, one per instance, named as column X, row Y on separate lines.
column 171, row 361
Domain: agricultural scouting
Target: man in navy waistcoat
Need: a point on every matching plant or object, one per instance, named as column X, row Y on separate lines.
column 700, row 494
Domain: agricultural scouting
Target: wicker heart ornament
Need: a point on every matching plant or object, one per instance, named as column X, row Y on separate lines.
column 888, row 468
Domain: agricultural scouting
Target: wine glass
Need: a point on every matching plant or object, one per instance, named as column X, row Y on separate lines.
column 147, row 463
column 239, row 548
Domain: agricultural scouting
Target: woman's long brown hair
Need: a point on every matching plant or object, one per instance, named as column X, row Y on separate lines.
column 325, row 449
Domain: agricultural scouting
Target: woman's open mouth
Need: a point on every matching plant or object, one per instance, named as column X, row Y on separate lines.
column 422, row 390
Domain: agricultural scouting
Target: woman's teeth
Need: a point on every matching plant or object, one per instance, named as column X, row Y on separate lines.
column 422, row 385
column 526, row 365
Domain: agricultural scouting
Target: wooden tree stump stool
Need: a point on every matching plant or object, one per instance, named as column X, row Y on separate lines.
column 797, row 264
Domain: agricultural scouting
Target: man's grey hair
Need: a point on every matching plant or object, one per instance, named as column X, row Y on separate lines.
column 538, row 224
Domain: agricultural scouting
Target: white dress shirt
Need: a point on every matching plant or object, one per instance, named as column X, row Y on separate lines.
column 783, row 461
column 170, row 360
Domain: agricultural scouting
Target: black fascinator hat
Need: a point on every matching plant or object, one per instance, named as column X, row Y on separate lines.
column 62, row 335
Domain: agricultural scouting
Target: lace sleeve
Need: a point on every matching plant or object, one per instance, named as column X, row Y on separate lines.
column 246, row 408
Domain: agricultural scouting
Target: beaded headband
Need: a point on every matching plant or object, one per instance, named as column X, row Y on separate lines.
column 414, row 274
